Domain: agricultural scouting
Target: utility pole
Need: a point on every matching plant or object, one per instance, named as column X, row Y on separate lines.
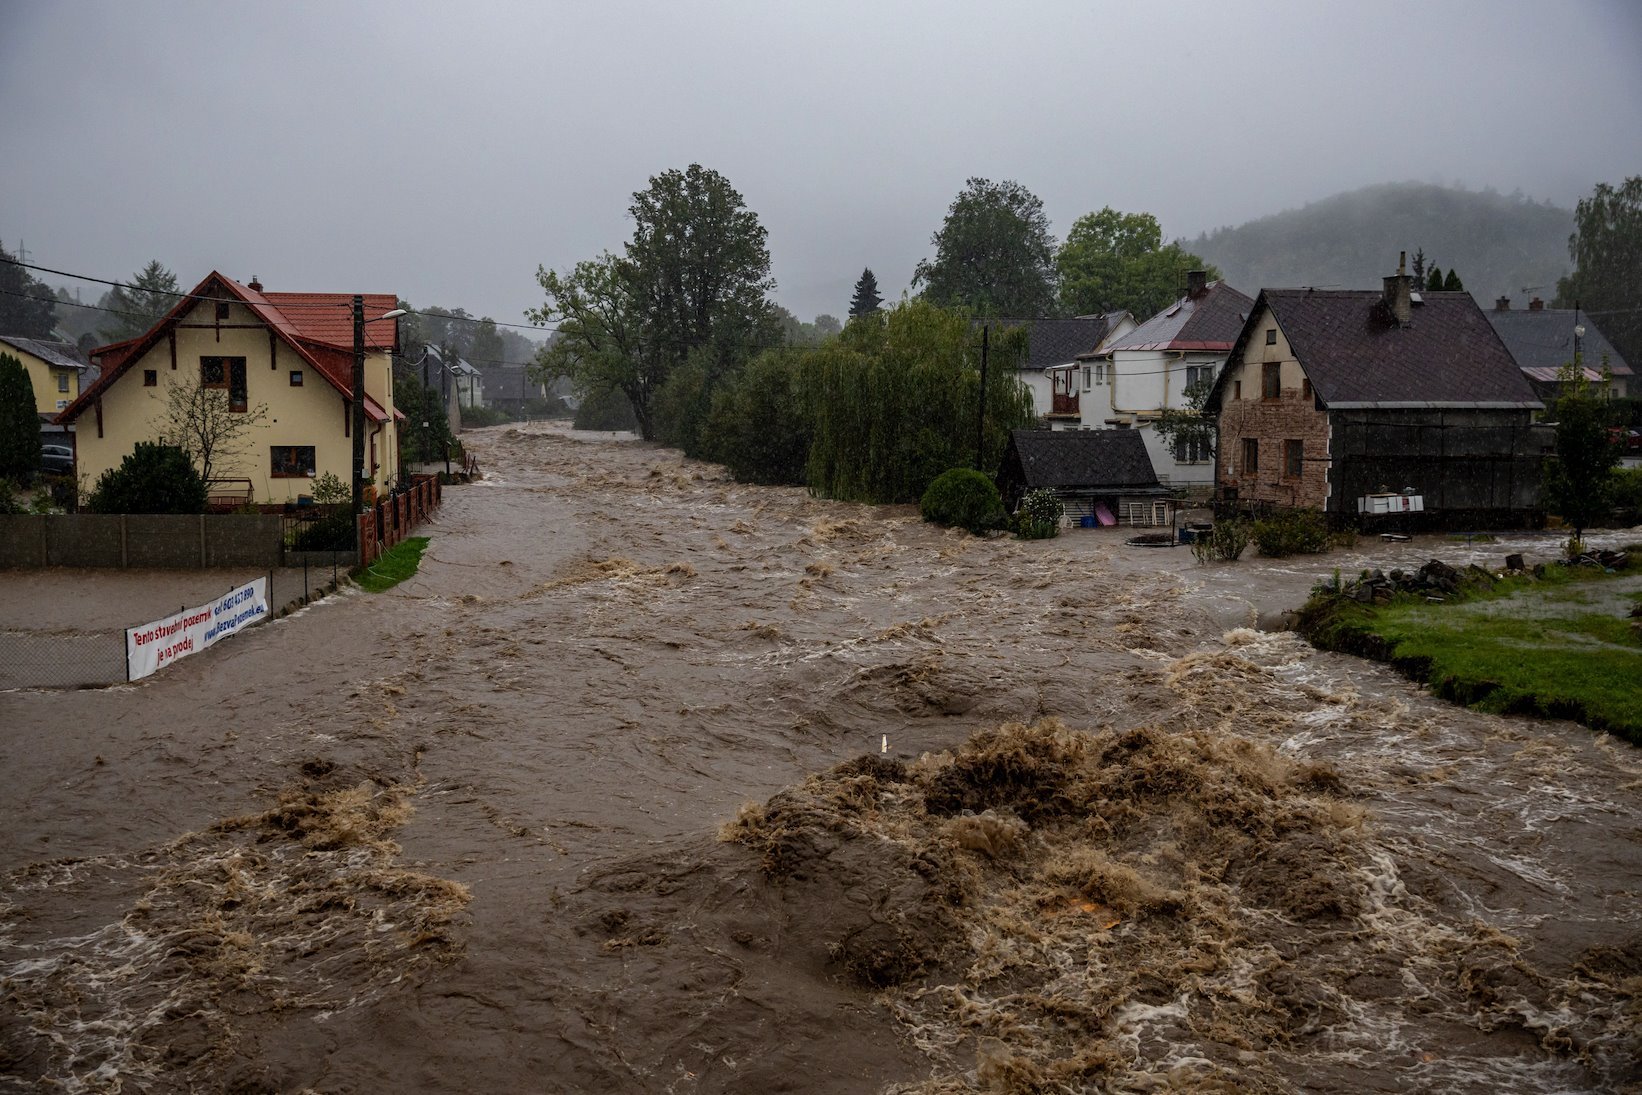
column 980, row 419
column 358, row 416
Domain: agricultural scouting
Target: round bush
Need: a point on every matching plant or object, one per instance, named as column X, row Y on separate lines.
column 152, row 479
column 963, row 498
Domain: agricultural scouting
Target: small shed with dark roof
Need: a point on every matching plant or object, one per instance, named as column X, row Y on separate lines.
column 1330, row 396
column 1089, row 470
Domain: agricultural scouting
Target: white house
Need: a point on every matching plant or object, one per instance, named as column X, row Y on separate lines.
column 1136, row 375
column 1053, row 346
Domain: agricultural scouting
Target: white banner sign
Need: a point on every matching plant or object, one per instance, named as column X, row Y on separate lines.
column 162, row 642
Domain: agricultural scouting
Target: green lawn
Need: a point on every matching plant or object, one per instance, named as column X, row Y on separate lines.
column 394, row 566
column 1560, row 646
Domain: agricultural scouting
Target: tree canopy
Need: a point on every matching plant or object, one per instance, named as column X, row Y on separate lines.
column 691, row 287
column 1606, row 248
column 994, row 253
column 866, row 299
column 27, row 306
column 1113, row 261
column 152, row 293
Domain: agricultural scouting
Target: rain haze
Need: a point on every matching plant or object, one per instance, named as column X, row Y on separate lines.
column 442, row 153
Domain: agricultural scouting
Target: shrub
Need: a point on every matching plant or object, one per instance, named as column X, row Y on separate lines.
column 1291, row 532
column 151, row 479
column 963, row 498
column 1224, row 542
column 1039, row 515
column 330, row 490
column 332, row 532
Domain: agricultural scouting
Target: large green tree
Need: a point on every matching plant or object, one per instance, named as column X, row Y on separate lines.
column 136, row 307
column 19, row 423
column 692, row 287
column 27, row 307
column 866, row 299
column 601, row 336
column 1113, row 261
column 1579, row 478
column 994, row 253
column 486, row 349
column 1606, row 248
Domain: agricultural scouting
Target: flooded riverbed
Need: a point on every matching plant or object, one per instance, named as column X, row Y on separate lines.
column 510, row 826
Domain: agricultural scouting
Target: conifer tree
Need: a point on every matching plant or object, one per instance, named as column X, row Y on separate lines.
column 866, row 299
column 19, row 422
column 1452, row 283
column 1433, row 283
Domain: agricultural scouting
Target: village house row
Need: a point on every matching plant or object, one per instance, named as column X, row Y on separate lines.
column 1321, row 397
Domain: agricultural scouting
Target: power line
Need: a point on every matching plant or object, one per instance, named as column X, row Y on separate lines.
column 281, row 305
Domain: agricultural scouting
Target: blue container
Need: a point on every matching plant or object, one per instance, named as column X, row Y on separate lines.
column 1086, row 521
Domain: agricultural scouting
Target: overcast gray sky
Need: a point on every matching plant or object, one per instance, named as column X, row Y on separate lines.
column 442, row 150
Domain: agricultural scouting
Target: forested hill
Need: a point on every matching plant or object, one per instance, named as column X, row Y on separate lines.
column 1500, row 245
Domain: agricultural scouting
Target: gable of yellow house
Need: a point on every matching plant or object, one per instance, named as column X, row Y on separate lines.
column 285, row 362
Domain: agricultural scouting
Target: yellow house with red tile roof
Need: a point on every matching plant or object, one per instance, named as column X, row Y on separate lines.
column 291, row 353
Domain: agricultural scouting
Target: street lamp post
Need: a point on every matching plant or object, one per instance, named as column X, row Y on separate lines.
column 359, row 412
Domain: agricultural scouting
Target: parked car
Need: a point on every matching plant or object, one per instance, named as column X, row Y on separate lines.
column 57, row 459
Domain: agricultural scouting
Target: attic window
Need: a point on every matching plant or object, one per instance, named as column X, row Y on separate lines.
column 222, row 310
column 1271, row 336
column 151, row 378
column 296, row 378
column 1271, row 380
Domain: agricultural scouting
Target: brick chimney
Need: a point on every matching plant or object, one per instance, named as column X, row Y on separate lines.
column 1536, row 305
column 1398, row 292
column 1197, row 284
column 255, row 285
column 1503, row 304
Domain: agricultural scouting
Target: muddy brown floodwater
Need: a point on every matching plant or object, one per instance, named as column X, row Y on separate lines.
column 650, row 781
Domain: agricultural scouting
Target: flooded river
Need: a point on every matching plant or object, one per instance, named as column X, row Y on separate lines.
column 650, row 781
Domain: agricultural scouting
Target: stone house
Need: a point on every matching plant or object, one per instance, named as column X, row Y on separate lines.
column 1331, row 396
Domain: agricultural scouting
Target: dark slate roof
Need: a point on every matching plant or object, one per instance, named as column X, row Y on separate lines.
column 64, row 355
column 1544, row 339
column 1211, row 322
column 1355, row 354
column 1058, row 341
column 1083, row 459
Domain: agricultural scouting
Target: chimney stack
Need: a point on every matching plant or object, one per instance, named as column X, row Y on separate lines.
column 255, row 284
column 1398, row 292
column 1503, row 304
column 1197, row 284
column 1536, row 305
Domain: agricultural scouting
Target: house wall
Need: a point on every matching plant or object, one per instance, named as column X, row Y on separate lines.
column 1246, row 414
column 1141, row 384
column 1037, row 382
column 312, row 413
column 48, row 397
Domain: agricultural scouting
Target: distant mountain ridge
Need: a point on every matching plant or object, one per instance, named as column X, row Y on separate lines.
column 1502, row 245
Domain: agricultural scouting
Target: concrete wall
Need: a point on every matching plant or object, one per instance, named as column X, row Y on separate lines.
column 165, row 541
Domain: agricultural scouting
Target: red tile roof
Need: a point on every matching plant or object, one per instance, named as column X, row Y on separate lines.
column 328, row 317
column 332, row 359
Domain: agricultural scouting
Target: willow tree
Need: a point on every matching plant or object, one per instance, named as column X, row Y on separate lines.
column 895, row 401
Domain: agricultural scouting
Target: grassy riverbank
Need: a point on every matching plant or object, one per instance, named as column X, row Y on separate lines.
column 393, row 566
column 1559, row 645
